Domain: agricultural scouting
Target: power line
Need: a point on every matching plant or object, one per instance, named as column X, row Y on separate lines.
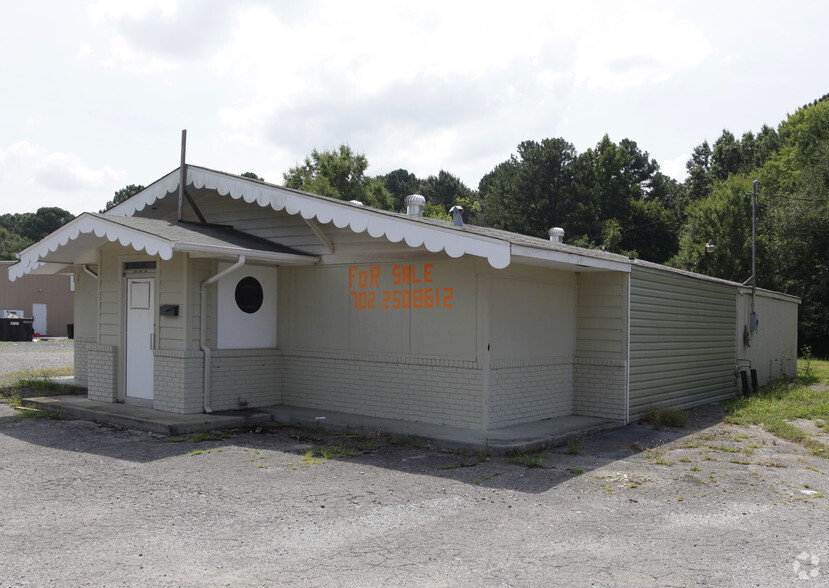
column 803, row 199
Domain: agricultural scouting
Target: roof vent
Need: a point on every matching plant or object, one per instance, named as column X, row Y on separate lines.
column 415, row 204
column 457, row 215
column 556, row 235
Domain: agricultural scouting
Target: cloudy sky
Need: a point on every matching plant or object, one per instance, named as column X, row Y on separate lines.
column 95, row 94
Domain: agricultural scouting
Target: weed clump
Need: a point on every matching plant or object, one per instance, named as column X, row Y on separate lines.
column 528, row 460
column 663, row 416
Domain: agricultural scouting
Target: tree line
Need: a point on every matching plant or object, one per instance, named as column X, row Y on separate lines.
column 614, row 196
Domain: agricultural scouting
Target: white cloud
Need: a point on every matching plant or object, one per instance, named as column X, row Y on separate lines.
column 32, row 177
column 629, row 47
column 158, row 36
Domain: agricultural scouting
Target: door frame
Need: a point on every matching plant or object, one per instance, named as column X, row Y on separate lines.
column 132, row 268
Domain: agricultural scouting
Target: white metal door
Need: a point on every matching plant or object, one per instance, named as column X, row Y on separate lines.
column 39, row 314
column 140, row 334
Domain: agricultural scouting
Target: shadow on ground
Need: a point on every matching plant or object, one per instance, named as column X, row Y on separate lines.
column 362, row 448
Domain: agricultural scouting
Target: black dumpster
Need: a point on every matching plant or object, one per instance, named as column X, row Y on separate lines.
column 16, row 329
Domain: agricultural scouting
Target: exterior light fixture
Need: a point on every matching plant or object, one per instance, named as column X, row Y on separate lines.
column 709, row 248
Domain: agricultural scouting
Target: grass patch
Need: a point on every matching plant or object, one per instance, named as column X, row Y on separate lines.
column 333, row 451
column 811, row 370
column 529, row 460
column 660, row 417
column 31, row 413
column 575, row 445
column 308, row 459
column 40, row 380
column 13, row 398
column 780, row 402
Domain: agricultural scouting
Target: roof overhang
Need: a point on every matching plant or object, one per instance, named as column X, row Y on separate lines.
column 76, row 244
column 569, row 260
column 394, row 227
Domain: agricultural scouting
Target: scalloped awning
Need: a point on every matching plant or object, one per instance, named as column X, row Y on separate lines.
column 77, row 242
column 378, row 223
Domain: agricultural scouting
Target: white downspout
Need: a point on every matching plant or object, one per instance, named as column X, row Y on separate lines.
column 203, row 328
column 89, row 271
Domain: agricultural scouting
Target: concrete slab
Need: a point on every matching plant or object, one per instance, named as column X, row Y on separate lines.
column 525, row 437
column 144, row 419
column 516, row 439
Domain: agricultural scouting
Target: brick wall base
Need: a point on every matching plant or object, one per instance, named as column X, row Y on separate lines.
column 102, row 372
column 437, row 391
column 245, row 378
column 600, row 388
column 178, row 381
column 81, row 360
column 524, row 391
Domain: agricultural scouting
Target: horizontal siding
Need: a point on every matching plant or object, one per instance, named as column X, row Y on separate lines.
column 682, row 348
column 600, row 324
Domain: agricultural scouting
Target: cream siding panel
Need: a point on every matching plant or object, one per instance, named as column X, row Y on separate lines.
column 110, row 296
column 86, row 306
column 682, row 348
column 773, row 348
column 532, row 318
column 200, row 270
column 600, row 323
column 172, row 289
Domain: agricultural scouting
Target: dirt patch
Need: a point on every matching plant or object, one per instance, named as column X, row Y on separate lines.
column 709, row 504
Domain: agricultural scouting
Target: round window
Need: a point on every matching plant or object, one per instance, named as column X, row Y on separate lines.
column 249, row 295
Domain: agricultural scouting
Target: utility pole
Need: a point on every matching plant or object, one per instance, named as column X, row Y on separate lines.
column 754, row 188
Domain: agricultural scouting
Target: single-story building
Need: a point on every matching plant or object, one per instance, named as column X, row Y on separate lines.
column 236, row 293
column 49, row 300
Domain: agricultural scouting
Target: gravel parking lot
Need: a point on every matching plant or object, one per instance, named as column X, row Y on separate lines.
column 711, row 504
column 26, row 356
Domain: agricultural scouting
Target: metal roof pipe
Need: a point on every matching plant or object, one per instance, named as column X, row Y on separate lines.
column 182, row 178
column 203, row 328
column 457, row 215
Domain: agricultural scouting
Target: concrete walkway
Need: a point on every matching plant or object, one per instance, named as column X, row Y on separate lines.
column 525, row 437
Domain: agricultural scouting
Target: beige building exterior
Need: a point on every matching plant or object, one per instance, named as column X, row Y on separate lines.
column 49, row 299
column 263, row 296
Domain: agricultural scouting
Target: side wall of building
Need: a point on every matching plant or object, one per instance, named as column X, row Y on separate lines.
column 600, row 367
column 771, row 350
column 531, row 345
column 52, row 293
column 682, row 348
column 394, row 340
column 86, row 324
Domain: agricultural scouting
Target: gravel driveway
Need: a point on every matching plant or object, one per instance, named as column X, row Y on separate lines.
column 713, row 504
column 23, row 356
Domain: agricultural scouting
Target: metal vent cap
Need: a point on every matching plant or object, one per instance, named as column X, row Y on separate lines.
column 556, row 235
column 415, row 204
